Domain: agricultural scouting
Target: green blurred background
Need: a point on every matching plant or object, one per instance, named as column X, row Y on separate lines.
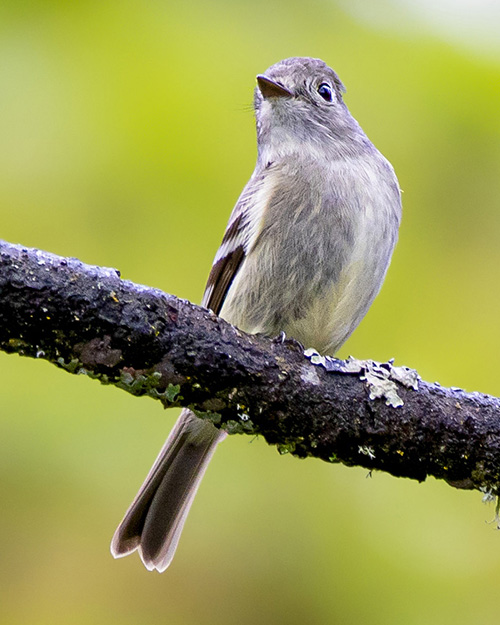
column 126, row 136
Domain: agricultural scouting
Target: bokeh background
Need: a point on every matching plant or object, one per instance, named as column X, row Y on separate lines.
column 126, row 136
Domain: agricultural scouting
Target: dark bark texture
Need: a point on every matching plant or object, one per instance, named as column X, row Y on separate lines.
column 87, row 320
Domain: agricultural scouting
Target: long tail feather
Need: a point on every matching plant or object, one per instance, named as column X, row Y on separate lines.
column 153, row 523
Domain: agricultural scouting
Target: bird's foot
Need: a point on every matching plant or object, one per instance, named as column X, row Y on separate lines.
column 282, row 339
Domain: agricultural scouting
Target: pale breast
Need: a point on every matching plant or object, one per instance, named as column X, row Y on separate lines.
column 321, row 254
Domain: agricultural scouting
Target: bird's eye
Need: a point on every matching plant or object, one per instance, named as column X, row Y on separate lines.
column 325, row 91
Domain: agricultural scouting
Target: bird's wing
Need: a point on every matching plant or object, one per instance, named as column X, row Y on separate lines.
column 241, row 233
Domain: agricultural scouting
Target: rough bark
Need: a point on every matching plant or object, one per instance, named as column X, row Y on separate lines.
column 87, row 320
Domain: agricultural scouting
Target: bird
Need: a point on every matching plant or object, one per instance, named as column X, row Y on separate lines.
column 305, row 252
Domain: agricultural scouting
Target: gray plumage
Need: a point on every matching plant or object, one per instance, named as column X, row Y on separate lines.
column 305, row 251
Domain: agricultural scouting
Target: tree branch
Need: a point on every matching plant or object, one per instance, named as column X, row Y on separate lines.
column 87, row 320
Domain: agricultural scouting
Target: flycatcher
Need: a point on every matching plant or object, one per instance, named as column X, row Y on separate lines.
column 305, row 252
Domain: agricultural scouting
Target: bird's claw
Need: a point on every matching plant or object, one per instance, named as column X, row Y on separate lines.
column 282, row 339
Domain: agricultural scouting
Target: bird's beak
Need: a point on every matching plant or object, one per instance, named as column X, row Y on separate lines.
column 271, row 89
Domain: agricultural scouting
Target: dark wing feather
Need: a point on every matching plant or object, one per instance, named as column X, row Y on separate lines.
column 221, row 277
column 227, row 262
column 241, row 232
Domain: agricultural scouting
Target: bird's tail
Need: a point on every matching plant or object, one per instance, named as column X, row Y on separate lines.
column 154, row 521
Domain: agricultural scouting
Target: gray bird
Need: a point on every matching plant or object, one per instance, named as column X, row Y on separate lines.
column 305, row 252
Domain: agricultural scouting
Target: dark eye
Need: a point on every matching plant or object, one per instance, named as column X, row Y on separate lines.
column 325, row 91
